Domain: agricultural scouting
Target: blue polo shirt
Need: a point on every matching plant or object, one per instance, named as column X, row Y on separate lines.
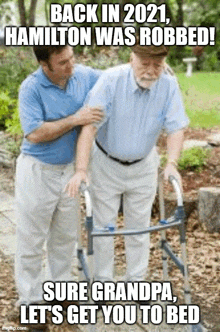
column 41, row 100
column 135, row 117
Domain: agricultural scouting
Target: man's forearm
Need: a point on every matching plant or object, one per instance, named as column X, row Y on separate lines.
column 84, row 145
column 50, row 131
column 174, row 145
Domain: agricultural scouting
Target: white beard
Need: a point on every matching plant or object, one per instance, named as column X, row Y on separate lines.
column 145, row 84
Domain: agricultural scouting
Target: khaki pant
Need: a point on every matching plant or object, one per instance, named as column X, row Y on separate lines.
column 45, row 214
column 137, row 183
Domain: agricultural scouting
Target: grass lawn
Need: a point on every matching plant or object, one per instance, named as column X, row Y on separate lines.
column 201, row 93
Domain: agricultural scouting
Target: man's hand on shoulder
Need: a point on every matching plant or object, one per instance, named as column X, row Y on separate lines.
column 88, row 115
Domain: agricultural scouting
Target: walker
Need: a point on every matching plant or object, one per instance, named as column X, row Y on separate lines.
column 177, row 219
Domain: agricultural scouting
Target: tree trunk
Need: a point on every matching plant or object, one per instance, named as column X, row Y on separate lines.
column 179, row 20
column 32, row 13
column 179, row 23
column 25, row 19
column 47, row 11
column 22, row 12
column 168, row 11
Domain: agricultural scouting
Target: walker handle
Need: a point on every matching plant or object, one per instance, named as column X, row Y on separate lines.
column 177, row 189
column 83, row 186
column 84, row 189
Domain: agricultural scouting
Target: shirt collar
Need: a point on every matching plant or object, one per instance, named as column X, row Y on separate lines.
column 44, row 80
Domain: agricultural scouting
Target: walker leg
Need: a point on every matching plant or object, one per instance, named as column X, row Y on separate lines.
column 164, row 257
column 90, row 252
column 197, row 327
column 163, row 233
column 80, row 249
column 187, row 293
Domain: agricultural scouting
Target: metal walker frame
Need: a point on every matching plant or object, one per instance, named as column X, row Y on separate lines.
column 177, row 220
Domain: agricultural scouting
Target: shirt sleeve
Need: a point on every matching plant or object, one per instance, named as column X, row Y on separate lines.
column 94, row 76
column 175, row 116
column 30, row 108
column 100, row 96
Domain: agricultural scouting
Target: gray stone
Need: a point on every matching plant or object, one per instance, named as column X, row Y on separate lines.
column 209, row 208
column 191, row 143
column 214, row 139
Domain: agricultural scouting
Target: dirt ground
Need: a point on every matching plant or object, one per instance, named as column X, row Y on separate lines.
column 203, row 247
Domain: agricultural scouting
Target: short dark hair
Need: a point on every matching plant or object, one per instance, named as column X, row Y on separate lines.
column 43, row 53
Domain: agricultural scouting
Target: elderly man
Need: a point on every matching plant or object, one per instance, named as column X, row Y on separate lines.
column 50, row 111
column 139, row 99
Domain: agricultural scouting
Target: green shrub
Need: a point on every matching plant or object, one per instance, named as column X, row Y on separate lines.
column 210, row 62
column 15, row 65
column 9, row 115
column 193, row 159
column 124, row 54
column 7, row 106
column 13, row 125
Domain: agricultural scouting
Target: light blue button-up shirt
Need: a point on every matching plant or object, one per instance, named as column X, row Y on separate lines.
column 41, row 100
column 135, row 117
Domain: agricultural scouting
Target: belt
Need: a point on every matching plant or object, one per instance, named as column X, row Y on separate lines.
column 125, row 163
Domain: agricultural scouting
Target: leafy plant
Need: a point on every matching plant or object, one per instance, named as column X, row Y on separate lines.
column 124, row 54
column 12, row 72
column 194, row 158
column 9, row 116
column 7, row 105
column 13, row 124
